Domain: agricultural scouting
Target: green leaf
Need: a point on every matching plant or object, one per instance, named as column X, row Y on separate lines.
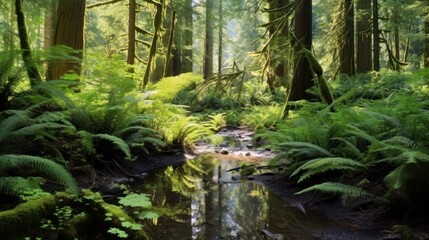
column 136, row 200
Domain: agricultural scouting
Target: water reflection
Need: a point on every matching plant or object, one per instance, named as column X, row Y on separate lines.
column 209, row 205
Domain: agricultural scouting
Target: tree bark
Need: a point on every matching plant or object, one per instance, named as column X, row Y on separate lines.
column 426, row 31
column 30, row 66
column 376, row 34
column 69, row 32
column 49, row 25
column 157, row 23
column 187, row 61
column 303, row 77
column 220, row 53
column 346, row 39
column 363, row 28
column 208, row 50
column 169, row 46
column 131, row 52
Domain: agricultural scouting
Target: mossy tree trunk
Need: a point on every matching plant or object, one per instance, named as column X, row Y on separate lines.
column 278, row 50
column 30, row 66
column 68, row 31
column 303, row 77
column 187, row 61
column 363, row 31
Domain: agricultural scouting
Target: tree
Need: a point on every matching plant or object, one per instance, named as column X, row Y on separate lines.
column 426, row 31
column 30, row 66
column 131, row 50
column 68, row 31
column 220, row 45
column 208, row 50
column 346, row 38
column 187, row 61
column 376, row 35
column 302, row 79
column 363, row 31
column 278, row 15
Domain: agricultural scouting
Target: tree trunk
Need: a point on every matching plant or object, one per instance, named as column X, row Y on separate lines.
column 303, row 77
column 157, row 23
column 426, row 54
column 376, row 33
column 30, row 66
column 69, row 32
column 346, row 39
column 49, row 25
column 220, row 53
column 363, row 28
column 278, row 50
column 131, row 54
column 208, row 51
column 187, row 37
column 167, row 69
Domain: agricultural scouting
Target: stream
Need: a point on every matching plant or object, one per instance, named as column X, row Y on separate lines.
column 204, row 199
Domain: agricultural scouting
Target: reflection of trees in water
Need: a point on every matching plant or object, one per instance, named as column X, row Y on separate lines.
column 214, row 210
column 244, row 210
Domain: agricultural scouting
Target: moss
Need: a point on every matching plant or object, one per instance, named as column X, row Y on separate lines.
column 25, row 217
column 314, row 64
column 325, row 92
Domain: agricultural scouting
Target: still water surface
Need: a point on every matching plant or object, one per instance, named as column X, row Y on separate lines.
column 205, row 203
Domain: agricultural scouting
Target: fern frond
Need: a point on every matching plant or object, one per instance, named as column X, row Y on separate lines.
column 320, row 165
column 42, row 129
column 118, row 142
column 53, row 117
column 133, row 129
column 355, row 131
column 401, row 141
column 398, row 177
column 306, row 148
column 337, row 189
column 8, row 185
column 44, row 166
column 349, row 147
column 16, row 120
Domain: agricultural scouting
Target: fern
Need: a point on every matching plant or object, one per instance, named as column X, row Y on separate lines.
column 305, row 148
column 320, row 165
column 43, row 166
column 8, row 185
column 337, row 189
column 117, row 142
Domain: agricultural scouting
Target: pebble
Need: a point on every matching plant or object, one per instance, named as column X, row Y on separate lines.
column 224, row 151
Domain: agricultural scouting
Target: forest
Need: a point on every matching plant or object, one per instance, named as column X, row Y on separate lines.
column 214, row 119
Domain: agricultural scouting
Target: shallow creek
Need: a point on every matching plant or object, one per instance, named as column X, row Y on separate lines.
column 205, row 200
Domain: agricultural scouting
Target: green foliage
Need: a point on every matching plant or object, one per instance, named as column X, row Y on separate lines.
column 9, row 79
column 320, row 165
column 169, row 89
column 42, row 166
column 337, row 188
column 136, row 200
column 383, row 140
